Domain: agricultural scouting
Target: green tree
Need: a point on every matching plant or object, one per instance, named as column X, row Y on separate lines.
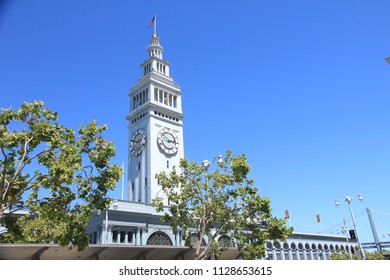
column 206, row 205
column 342, row 255
column 58, row 175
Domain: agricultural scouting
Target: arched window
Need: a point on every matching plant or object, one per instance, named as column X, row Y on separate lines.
column 159, row 238
column 193, row 239
column 224, row 241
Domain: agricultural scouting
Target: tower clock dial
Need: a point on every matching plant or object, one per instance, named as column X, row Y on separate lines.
column 168, row 141
column 138, row 142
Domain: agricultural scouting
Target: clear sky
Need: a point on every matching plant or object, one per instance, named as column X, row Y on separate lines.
column 301, row 87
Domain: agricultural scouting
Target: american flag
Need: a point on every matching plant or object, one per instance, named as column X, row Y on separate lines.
column 287, row 214
column 152, row 22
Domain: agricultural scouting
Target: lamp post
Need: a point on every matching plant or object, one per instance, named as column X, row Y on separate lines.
column 348, row 200
column 206, row 164
column 345, row 232
column 114, row 204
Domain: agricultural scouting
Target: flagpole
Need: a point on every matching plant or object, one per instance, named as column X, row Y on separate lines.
column 155, row 25
column 123, row 180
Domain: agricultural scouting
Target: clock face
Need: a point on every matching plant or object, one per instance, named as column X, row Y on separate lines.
column 168, row 141
column 138, row 142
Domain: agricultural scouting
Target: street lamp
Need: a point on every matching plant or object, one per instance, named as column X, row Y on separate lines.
column 348, row 200
column 114, row 204
column 206, row 164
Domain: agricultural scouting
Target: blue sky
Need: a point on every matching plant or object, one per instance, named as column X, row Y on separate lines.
column 300, row 87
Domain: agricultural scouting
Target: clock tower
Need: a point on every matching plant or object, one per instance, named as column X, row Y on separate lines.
column 155, row 126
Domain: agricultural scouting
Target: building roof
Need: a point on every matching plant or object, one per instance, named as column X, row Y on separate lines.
column 101, row 252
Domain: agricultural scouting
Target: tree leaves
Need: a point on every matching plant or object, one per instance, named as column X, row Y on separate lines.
column 214, row 203
column 58, row 174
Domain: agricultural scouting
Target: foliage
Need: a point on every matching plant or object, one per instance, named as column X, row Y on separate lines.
column 206, row 205
column 374, row 255
column 59, row 175
column 342, row 255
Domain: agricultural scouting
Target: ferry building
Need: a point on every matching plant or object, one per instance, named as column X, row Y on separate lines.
column 156, row 143
column 131, row 228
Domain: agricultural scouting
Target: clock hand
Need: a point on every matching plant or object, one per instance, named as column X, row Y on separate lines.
column 166, row 138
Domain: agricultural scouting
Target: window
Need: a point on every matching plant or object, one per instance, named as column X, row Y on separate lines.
column 165, row 98
column 115, row 236
column 159, row 238
column 122, row 236
column 225, row 241
column 93, row 239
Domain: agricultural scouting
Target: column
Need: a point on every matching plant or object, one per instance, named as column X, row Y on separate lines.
column 102, row 234
column 137, row 236
column 304, row 254
column 109, row 234
column 311, row 254
column 177, row 236
column 126, row 237
column 297, row 254
column 290, row 257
